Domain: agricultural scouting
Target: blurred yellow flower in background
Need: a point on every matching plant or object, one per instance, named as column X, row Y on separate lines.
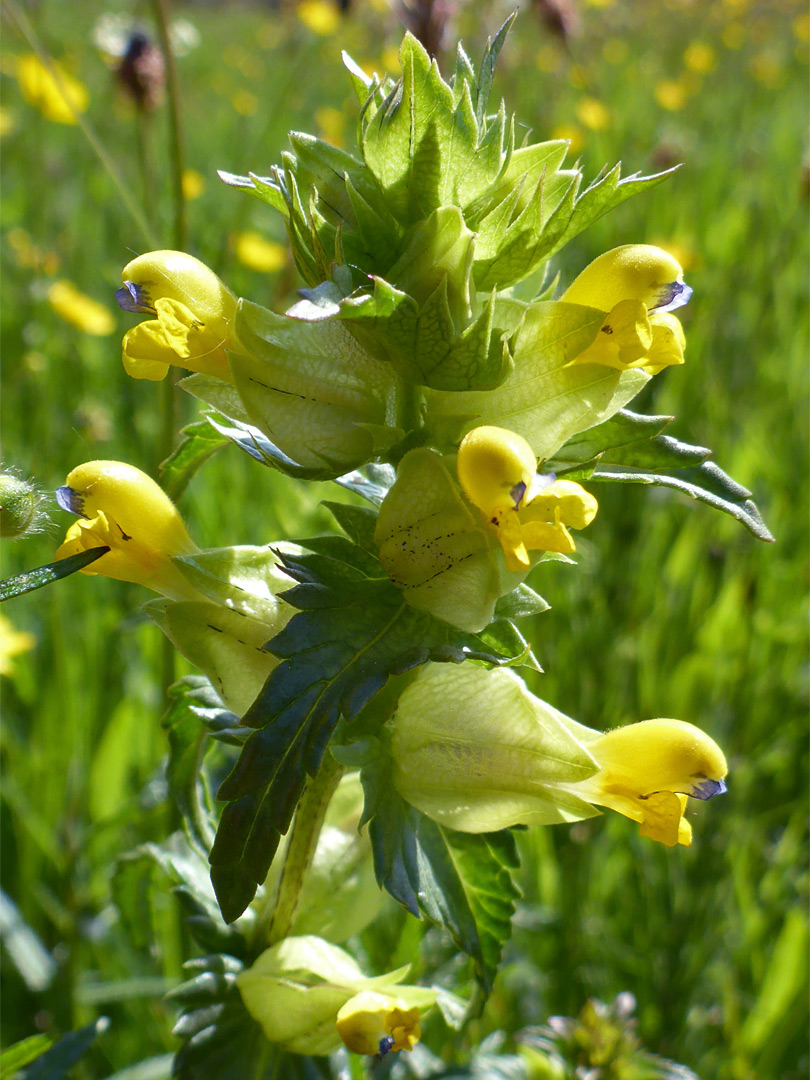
column 699, row 57
column 332, row 124
column 245, row 103
column 593, row 114
column 671, row 95
column 57, row 95
column 29, row 255
column 79, row 310
column 575, row 136
column 256, row 253
column 12, row 643
column 8, row 121
column 615, row 51
column 320, row 16
column 193, row 184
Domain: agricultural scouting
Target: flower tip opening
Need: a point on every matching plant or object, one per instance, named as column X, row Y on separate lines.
column 674, row 295
column 131, row 297
column 70, row 500
column 707, row 789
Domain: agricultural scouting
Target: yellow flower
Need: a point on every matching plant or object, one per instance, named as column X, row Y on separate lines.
column 377, row 1024
column 80, row 310
column 497, row 472
column 256, row 253
column 637, row 286
column 308, row 995
column 319, row 16
column 8, row 121
column 647, row 770
column 57, row 95
column 593, row 114
column 122, row 508
column 671, row 95
column 195, row 313
column 699, row 57
column 475, row 751
column 193, row 184
column 12, row 643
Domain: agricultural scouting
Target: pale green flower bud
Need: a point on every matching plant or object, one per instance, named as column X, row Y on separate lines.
column 20, row 513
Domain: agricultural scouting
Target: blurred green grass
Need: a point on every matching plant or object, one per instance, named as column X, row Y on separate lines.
column 671, row 611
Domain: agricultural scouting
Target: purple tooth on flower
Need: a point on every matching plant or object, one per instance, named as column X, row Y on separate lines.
column 674, row 295
column 70, row 500
column 707, row 789
column 131, row 297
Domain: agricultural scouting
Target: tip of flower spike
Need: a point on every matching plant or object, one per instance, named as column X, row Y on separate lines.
column 130, row 297
column 70, row 500
column 674, row 295
column 707, row 789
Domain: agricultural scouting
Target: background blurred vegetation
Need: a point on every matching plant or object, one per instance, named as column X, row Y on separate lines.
column 673, row 610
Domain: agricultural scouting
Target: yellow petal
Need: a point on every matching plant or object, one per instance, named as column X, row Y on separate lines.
column 495, row 467
column 631, row 272
column 374, row 1023
column 564, row 500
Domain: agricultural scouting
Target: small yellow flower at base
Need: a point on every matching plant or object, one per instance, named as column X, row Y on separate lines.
column 377, row 1024
column 497, row 472
column 122, row 508
column 647, row 770
column 195, row 314
column 79, row 310
column 257, row 253
column 637, row 286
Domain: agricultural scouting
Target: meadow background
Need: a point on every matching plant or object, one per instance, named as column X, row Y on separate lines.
column 674, row 610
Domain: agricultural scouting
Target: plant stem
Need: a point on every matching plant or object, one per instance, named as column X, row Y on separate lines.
column 15, row 15
column 160, row 8
column 274, row 924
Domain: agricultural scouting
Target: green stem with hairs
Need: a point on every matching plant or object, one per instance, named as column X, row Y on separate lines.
column 276, row 918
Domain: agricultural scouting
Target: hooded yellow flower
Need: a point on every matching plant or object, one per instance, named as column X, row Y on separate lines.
column 195, row 313
column 377, row 1024
column 122, row 508
column 497, row 471
column 475, row 751
column 637, row 286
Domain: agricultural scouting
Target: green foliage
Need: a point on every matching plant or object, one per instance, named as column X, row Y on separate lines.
column 46, row 575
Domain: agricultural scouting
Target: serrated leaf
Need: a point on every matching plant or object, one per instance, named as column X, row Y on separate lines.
column 621, row 429
column 198, row 442
column 660, row 452
column 262, row 187
column 352, row 634
column 30, row 580
column 488, row 63
column 373, row 483
column 57, row 1062
column 706, row 483
column 461, row 881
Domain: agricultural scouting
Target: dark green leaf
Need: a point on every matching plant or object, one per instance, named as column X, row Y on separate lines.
column 187, row 736
column 57, row 1062
column 357, row 521
column 623, row 428
column 487, row 69
column 463, row 882
column 661, row 452
column 352, row 634
column 259, row 447
column 44, row 575
column 707, row 483
column 372, row 483
column 198, row 442
column 519, row 603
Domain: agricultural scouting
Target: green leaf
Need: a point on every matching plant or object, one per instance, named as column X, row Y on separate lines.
column 198, row 442
column 30, row 580
column 487, row 70
column 706, row 483
column 263, row 187
column 621, row 429
column 23, row 1053
column 546, row 399
column 519, row 603
column 57, row 1062
column 463, row 882
column 352, row 634
column 187, row 738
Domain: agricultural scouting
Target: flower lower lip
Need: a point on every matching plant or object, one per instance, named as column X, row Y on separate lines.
column 70, row 500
